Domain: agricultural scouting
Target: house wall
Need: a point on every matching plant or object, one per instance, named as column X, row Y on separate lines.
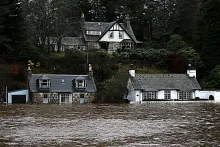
column 160, row 95
column 54, row 98
column 174, row 95
column 21, row 92
column 115, row 29
column 217, row 96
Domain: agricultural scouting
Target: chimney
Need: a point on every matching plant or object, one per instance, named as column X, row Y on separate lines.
column 90, row 71
column 132, row 71
column 191, row 71
column 127, row 21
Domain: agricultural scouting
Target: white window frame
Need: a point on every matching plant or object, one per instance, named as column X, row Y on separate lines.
column 167, row 94
column 65, row 97
column 185, row 95
column 81, row 83
column 93, row 32
column 111, row 34
column 44, row 83
column 149, row 95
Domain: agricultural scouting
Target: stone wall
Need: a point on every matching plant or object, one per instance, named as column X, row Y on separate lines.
column 37, row 98
column 89, row 97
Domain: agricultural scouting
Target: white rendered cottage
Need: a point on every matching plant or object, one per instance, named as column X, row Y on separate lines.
column 146, row 87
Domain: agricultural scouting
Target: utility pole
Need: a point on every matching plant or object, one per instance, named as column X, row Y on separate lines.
column 6, row 95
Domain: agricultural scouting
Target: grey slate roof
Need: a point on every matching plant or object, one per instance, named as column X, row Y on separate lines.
column 104, row 27
column 68, row 41
column 156, row 82
column 58, row 86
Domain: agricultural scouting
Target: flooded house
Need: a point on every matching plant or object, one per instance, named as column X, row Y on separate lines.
column 61, row 88
column 146, row 87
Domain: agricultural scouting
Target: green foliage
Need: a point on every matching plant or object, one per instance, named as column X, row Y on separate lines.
column 114, row 89
column 191, row 56
column 213, row 80
column 176, row 43
column 207, row 33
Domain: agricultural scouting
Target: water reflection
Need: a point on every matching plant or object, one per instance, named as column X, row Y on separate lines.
column 150, row 124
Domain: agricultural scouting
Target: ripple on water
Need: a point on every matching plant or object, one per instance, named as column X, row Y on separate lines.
column 153, row 124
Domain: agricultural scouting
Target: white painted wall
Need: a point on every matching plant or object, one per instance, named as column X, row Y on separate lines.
column 217, row 96
column 204, row 94
column 19, row 92
column 160, row 95
column 174, row 95
column 116, row 38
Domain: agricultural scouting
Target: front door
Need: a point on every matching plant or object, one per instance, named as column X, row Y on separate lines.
column 45, row 99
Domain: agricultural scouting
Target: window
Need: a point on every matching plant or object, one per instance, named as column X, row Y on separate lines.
column 185, row 95
column 111, row 34
column 65, row 98
column 44, row 83
column 81, row 84
column 149, row 95
column 167, row 94
column 121, row 35
column 93, row 32
column 82, row 95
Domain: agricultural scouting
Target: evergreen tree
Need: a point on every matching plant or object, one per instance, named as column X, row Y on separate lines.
column 208, row 32
column 10, row 26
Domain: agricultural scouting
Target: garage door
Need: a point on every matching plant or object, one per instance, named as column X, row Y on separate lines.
column 18, row 99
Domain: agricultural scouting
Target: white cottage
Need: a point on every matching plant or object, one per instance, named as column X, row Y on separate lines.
column 146, row 87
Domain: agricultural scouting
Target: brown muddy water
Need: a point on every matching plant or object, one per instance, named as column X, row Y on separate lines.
column 174, row 124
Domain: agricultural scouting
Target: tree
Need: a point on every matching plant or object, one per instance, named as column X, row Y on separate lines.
column 51, row 18
column 10, row 26
column 213, row 80
column 208, row 32
column 176, row 43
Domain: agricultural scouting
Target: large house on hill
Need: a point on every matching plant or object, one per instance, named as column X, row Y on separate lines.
column 145, row 87
column 109, row 36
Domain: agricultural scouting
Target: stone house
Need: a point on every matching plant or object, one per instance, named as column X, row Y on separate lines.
column 61, row 88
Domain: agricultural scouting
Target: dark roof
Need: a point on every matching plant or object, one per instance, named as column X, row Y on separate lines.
column 156, row 82
column 57, row 84
column 130, row 32
column 104, row 27
column 68, row 41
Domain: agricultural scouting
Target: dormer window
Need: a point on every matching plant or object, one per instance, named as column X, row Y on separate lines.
column 81, row 84
column 44, row 83
column 93, row 32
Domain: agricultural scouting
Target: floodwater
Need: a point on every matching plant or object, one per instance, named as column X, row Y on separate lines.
column 174, row 124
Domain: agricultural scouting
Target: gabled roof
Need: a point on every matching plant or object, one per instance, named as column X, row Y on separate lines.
column 156, row 82
column 104, row 27
column 62, row 83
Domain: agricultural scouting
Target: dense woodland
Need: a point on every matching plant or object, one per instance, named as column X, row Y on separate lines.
column 174, row 33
